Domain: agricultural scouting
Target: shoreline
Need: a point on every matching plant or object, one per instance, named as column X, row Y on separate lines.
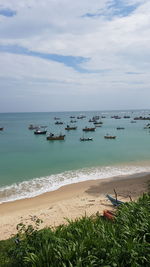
column 70, row 201
column 35, row 187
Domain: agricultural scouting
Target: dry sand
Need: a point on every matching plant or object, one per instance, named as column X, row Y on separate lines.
column 71, row 201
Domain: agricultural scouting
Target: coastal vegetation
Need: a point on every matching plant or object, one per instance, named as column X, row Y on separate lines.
column 85, row 242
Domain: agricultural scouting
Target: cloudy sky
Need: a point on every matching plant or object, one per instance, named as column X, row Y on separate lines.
column 59, row 55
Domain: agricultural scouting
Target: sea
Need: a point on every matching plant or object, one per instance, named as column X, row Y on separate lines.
column 31, row 165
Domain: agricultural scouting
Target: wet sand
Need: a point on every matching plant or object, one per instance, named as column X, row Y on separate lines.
column 71, row 201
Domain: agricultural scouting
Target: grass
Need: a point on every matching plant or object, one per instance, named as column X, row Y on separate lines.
column 86, row 242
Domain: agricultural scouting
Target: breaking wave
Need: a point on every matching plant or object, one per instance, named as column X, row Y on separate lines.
column 38, row 186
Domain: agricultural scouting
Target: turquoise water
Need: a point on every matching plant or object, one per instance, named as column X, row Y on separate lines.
column 31, row 165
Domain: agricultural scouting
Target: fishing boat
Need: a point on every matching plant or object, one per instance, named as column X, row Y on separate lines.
column 114, row 201
column 116, row 117
column 107, row 136
column 86, row 139
column 91, row 120
column 58, row 122
column 1, row 128
column 147, row 126
column 142, row 118
column 68, row 128
column 98, row 122
column 126, row 117
column 40, row 132
column 33, row 127
column 73, row 121
column 52, row 137
column 120, row 128
column 97, row 117
column 86, row 129
column 81, row 117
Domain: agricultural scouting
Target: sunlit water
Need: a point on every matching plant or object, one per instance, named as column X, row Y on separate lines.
column 31, row 165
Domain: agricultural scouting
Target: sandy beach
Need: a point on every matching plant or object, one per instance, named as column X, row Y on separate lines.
column 71, row 201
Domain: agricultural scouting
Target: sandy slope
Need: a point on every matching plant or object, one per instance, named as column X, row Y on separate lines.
column 71, row 201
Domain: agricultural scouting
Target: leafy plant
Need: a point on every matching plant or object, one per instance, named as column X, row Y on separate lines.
column 88, row 241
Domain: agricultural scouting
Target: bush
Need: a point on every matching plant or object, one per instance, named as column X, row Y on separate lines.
column 88, row 241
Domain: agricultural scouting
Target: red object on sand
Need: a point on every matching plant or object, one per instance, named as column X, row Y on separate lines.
column 108, row 214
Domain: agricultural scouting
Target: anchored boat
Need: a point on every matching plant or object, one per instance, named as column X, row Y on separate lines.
column 40, row 132
column 107, row 136
column 52, row 137
column 86, row 129
column 68, row 128
column 86, row 139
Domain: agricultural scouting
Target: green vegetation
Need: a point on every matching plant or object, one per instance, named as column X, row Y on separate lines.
column 88, row 242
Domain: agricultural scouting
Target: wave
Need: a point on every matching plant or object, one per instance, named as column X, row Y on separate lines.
column 38, row 186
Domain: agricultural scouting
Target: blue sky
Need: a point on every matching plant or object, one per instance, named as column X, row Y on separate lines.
column 66, row 55
column 115, row 8
column 6, row 12
column 70, row 61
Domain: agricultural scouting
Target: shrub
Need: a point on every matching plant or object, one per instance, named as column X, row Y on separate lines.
column 88, row 241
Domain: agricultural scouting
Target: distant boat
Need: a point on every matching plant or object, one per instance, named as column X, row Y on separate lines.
column 87, row 129
column 81, row 117
column 72, row 117
column 91, row 120
column 33, row 127
column 1, row 128
column 68, row 128
column 116, row 117
column 40, row 132
column 97, row 117
column 120, row 128
column 107, row 136
column 142, row 118
column 98, row 122
column 147, row 126
column 126, row 117
column 98, row 125
column 58, row 122
column 86, row 139
column 52, row 137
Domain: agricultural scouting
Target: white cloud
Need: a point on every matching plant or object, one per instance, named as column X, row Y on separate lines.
column 118, row 49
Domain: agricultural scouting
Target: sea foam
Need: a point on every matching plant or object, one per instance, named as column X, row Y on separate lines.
column 38, row 186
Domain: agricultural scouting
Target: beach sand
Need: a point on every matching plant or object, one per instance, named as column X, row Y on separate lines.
column 71, row 201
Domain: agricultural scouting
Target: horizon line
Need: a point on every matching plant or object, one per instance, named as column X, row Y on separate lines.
column 130, row 109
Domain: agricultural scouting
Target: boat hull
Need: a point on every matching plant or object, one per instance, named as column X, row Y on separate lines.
column 86, row 139
column 70, row 128
column 53, row 138
column 88, row 129
column 109, row 137
column 40, row 132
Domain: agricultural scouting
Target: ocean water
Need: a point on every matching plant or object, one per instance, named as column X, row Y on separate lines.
column 31, row 165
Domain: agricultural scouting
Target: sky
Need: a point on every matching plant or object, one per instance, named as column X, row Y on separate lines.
column 66, row 55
